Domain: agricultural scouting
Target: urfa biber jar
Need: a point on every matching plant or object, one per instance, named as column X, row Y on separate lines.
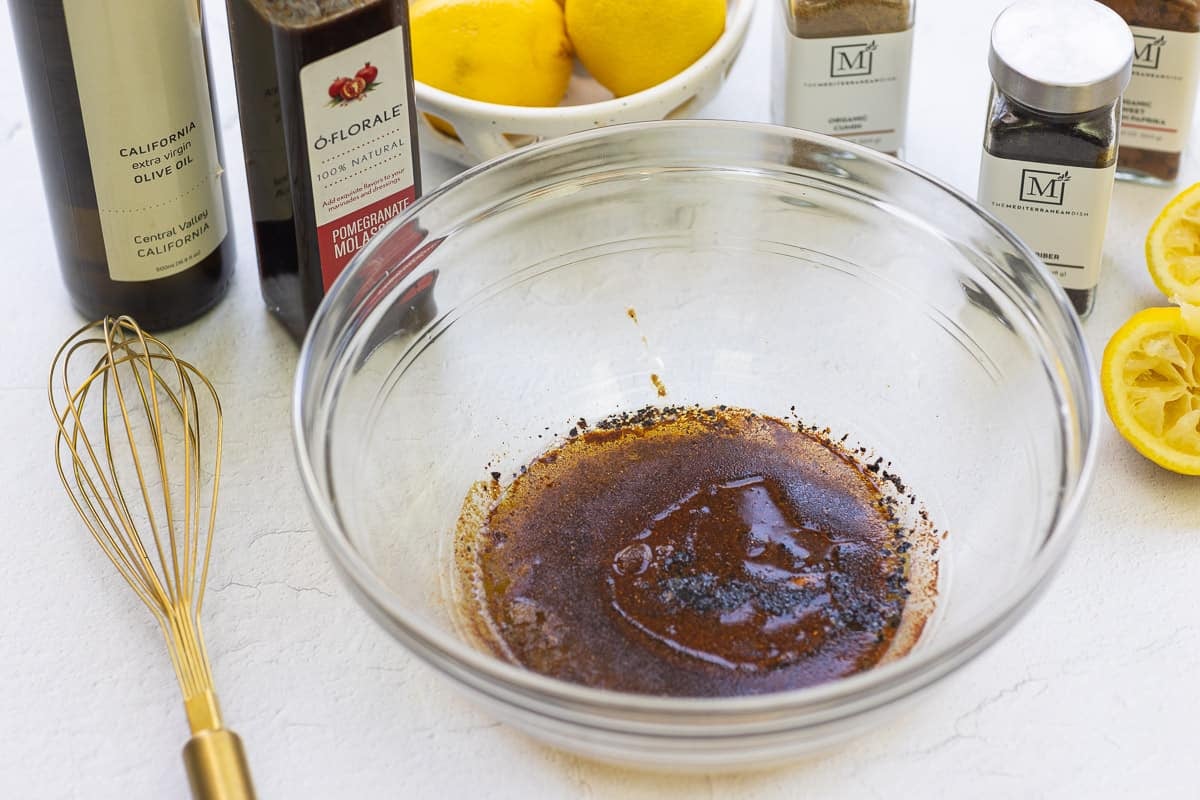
column 1050, row 146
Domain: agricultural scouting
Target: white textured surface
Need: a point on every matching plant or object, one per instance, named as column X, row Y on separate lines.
column 1093, row 695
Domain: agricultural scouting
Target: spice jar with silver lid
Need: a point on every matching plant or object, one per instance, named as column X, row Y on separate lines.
column 1050, row 146
column 842, row 68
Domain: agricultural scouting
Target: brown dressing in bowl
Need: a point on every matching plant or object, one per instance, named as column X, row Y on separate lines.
column 697, row 552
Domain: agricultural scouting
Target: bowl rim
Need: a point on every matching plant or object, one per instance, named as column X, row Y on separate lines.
column 730, row 41
column 838, row 699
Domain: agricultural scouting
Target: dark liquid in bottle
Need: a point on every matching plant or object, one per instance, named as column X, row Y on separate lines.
column 293, row 284
column 705, row 553
column 40, row 30
column 267, row 172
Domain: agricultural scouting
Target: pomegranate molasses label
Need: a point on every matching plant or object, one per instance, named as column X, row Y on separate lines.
column 1156, row 112
column 359, row 152
column 143, row 92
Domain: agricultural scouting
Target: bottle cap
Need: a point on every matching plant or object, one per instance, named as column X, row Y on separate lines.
column 1061, row 56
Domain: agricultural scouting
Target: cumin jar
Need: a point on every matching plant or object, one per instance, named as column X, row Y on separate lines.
column 1156, row 115
column 1050, row 146
column 842, row 69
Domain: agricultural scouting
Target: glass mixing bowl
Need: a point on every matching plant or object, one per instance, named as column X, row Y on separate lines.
column 768, row 268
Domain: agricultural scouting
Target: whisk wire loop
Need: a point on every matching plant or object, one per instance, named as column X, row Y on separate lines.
column 157, row 398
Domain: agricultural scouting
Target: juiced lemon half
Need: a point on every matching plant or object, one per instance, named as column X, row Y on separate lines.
column 1150, row 375
column 1173, row 247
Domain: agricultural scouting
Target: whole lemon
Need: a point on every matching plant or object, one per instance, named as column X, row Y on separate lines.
column 514, row 52
column 630, row 45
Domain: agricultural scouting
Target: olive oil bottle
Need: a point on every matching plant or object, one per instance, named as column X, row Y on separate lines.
column 121, row 106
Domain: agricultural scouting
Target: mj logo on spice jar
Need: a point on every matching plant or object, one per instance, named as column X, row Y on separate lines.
column 1147, row 50
column 1043, row 186
column 850, row 60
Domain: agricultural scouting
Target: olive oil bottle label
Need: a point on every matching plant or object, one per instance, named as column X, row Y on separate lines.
column 1156, row 112
column 851, row 87
column 1060, row 212
column 360, row 154
column 143, row 94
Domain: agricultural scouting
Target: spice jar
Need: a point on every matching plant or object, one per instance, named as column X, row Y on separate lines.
column 1156, row 114
column 842, row 68
column 1050, row 146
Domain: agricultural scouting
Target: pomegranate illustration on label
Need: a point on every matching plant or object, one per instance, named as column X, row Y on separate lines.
column 344, row 90
column 368, row 73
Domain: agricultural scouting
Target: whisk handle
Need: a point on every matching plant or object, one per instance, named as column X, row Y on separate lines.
column 216, row 766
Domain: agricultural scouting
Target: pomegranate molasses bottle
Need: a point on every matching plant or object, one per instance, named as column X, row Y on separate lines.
column 325, row 90
column 130, row 156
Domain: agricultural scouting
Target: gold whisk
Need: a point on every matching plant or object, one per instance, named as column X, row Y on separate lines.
column 115, row 380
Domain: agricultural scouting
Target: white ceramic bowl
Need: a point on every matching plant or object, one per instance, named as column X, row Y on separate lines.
column 486, row 130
